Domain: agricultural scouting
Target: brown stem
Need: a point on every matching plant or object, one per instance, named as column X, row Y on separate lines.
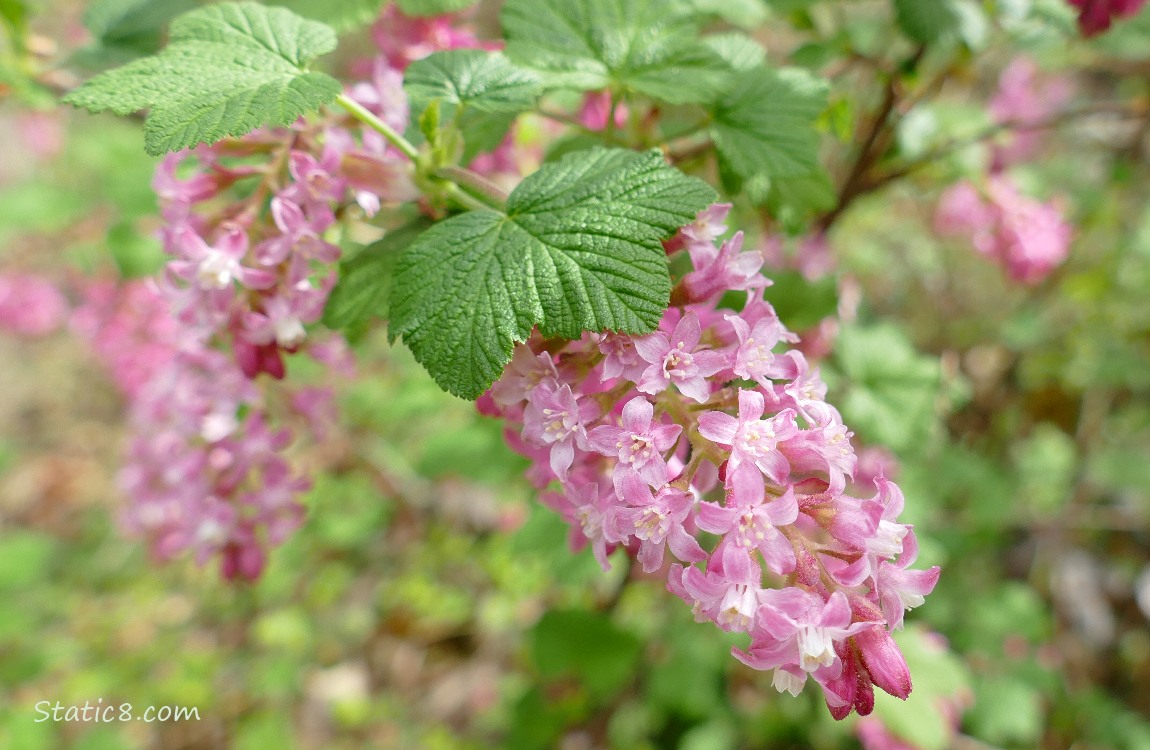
column 873, row 145
column 1061, row 118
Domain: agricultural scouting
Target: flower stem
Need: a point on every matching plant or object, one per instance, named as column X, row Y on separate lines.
column 476, row 185
column 367, row 118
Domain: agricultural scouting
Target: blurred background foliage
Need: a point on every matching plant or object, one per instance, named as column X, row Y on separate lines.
column 431, row 602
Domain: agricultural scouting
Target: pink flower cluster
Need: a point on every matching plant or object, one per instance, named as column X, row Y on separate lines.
column 201, row 474
column 1024, row 99
column 30, row 305
column 206, row 469
column 1027, row 237
column 1095, row 16
column 713, row 428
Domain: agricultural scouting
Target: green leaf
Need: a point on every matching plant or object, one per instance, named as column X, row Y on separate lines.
column 794, row 201
column 14, row 12
column 802, row 304
column 739, row 51
column 433, row 7
column 586, row 646
column 1008, row 711
column 893, row 392
column 927, row 21
column 578, row 250
column 487, row 81
column 766, row 125
column 364, row 285
column 25, row 559
column 228, row 69
column 341, row 15
column 648, row 47
column 125, row 30
column 747, row 14
column 482, row 131
column 128, row 21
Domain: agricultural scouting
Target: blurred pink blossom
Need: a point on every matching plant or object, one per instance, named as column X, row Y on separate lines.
column 1025, row 97
column 30, row 305
column 1095, row 16
column 1027, row 237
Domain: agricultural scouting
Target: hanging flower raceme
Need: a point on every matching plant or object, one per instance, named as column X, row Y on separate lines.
column 713, row 424
column 206, row 470
column 1028, row 238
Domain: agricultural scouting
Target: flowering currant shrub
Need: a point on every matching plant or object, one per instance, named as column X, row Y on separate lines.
column 575, row 224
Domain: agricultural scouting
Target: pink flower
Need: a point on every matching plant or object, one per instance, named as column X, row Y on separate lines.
column 749, row 522
column 177, row 196
column 728, row 593
column 837, row 552
column 1095, row 16
column 1027, row 237
column 874, row 735
column 750, row 438
column 678, row 360
column 621, row 358
column 403, row 39
column 283, row 315
column 962, row 211
column 707, row 227
column 383, row 94
column 217, row 267
column 301, row 237
column 655, row 519
column 1025, row 99
column 825, row 446
column 523, row 374
column 1033, row 238
column 638, row 443
column 797, row 629
column 317, row 181
column 589, row 510
column 900, row 589
column 884, row 661
column 30, row 305
column 596, row 108
column 727, row 268
column 754, row 357
column 555, row 417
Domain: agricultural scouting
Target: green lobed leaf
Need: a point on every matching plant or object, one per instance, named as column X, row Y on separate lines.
column 341, row 15
column 14, row 13
column 648, row 47
column 129, row 21
column 766, row 124
column 578, row 250
column 433, row 7
column 587, row 646
column 747, row 14
column 927, row 21
column 739, row 51
column 483, row 132
column 228, row 69
column 794, row 201
column 125, row 30
column 364, row 286
column 893, row 393
column 487, row 81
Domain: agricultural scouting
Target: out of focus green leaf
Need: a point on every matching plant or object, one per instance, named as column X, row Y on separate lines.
column 890, row 390
column 585, row 646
